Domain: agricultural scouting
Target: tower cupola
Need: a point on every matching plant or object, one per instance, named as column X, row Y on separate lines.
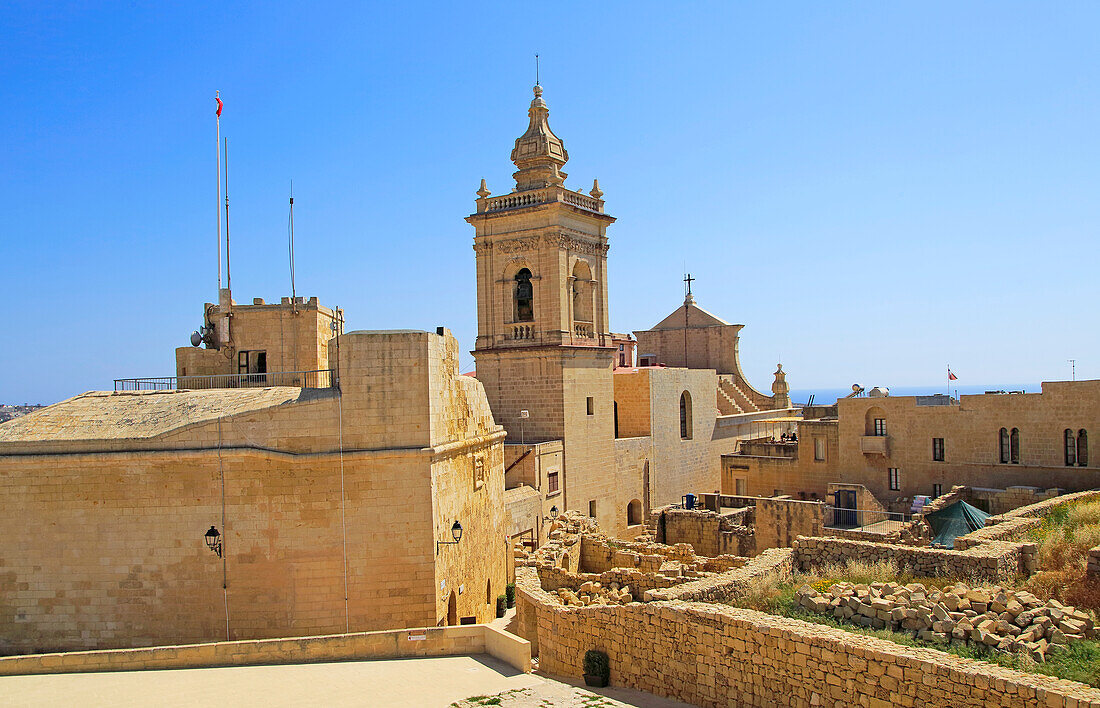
column 539, row 154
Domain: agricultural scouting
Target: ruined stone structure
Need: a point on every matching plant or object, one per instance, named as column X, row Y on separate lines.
column 335, row 506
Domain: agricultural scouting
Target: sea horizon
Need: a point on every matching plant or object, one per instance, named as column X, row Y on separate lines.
column 827, row 395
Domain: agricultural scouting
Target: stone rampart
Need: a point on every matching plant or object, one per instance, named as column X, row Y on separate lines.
column 714, row 655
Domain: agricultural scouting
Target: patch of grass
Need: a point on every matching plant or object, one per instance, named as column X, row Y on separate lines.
column 1064, row 538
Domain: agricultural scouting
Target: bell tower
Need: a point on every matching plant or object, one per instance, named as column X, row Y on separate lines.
column 543, row 336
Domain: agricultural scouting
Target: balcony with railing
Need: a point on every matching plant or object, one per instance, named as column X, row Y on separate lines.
column 534, row 197
column 582, row 329
column 322, row 378
column 523, row 331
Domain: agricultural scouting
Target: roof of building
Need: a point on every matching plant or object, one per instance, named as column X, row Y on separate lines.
column 691, row 314
column 107, row 415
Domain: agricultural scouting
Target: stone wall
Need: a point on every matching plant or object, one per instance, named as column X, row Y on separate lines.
column 726, row 586
column 713, row 655
column 710, row 534
column 993, row 562
column 393, row 644
column 107, row 549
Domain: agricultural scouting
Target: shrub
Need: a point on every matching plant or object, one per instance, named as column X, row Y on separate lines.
column 596, row 663
column 502, row 605
column 510, row 593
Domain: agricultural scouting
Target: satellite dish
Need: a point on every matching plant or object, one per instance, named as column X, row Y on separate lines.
column 196, row 339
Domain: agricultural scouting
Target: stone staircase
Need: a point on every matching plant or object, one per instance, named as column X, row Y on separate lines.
column 740, row 400
column 726, row 405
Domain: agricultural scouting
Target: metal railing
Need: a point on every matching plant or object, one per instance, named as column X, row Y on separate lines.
column 322, row 378
column 866, row 520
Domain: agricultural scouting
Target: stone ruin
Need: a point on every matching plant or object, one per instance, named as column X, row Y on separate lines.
column 1007, row 620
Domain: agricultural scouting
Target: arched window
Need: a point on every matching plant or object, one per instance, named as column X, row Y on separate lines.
column 634, row 513
column 582, row 292
column 1014, row 446
column 875, row 421
column 685, row 416
column 1070, row 441
column 1004, row 446
column 1083, row 448
column 525, row 297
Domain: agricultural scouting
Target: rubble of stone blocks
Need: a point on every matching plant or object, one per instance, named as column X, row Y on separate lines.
column 1005, row 619
column 594, row 593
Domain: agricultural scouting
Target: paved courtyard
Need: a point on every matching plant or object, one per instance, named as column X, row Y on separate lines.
column 378, row 684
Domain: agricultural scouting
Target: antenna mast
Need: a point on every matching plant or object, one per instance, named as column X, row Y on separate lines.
column 293, row 292
column 228, row 277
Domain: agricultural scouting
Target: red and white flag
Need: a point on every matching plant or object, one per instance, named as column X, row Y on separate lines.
column 951, row 376
column 219, row 111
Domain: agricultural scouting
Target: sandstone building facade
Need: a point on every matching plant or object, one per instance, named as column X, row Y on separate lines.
column 588, row 430
column 897, row 447
column 336, row 506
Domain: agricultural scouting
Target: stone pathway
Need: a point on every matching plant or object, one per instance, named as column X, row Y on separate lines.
column 397, row 683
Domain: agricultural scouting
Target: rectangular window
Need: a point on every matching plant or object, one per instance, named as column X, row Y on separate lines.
column 819, row 449
column 937, row 489
column 937, row 449
column 590, row 404
column 551, row 481
column 895, row 483
column 880, row 426
column 592, row 508
column 739, row 486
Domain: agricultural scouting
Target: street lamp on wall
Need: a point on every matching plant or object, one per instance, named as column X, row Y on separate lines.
column 456, row 533
column 553, row 514
column 214, row 541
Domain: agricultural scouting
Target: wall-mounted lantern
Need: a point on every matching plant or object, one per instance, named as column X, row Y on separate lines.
column 456, row 533
column 553, row 514
column 214, row 541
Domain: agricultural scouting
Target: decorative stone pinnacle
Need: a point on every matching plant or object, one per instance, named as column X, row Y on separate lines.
column 484, row 191
column 539, row 154
column 596, row 191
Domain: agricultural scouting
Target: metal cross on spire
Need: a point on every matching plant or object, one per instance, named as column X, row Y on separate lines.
column 537, row 69
column 688, row 279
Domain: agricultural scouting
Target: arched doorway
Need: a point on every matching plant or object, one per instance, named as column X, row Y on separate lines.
column 452, row 610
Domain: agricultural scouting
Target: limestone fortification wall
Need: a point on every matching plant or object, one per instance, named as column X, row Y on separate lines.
column 104, row 536
column 713, row 655
column 993, row 562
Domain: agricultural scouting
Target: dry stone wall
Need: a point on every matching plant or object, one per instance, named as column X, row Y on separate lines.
column 714, row 655
column 992, row 562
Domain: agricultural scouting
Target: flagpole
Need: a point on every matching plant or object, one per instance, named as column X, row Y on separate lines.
column 218, row 150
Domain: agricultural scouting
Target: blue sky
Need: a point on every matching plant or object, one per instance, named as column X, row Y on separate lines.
column 874, row 189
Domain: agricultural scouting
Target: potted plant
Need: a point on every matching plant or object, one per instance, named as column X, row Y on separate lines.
column 510, row 593
column 597, row 668
column 502, row 605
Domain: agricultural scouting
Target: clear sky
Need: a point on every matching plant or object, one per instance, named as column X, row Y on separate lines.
column 876, row 190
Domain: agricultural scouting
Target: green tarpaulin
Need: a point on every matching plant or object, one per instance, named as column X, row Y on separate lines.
column 958, row 519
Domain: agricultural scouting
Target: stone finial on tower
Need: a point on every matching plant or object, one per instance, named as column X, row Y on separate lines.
column 483, row 192
column 596, row 191
column 781, row 389
column 539, row 154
